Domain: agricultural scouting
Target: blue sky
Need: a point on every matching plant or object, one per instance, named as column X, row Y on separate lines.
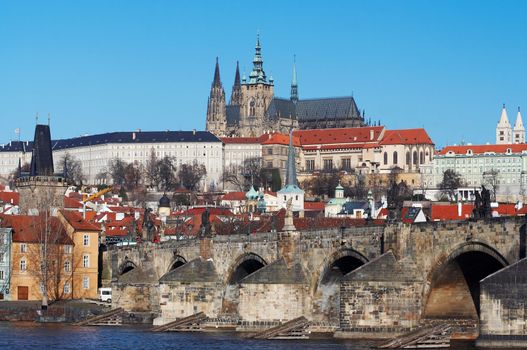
column 101, row 66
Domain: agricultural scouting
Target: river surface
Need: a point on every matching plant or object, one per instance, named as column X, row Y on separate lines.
column 22, row 335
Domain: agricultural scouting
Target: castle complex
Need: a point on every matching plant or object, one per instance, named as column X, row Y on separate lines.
column 253, row 109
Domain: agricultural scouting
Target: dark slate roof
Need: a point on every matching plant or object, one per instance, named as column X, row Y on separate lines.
column 281, row 108
column 349, row 206
column 197, row 270
column 327, row 108
column 233, row 115
column 336, row 108
column 513, row 274
column 277, row 272
column 385, row 269
column 42, row 157
column 118, row 137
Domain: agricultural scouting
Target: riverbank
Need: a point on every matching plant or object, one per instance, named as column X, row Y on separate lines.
column 64, row 311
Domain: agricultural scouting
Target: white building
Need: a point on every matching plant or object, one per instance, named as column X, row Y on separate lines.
column 505, row 133
column 95, row 151
column 480, row 164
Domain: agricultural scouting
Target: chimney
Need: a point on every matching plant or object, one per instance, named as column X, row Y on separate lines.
column 133, row 136
column 459, row 209
column 193, row 131
column 371, row 134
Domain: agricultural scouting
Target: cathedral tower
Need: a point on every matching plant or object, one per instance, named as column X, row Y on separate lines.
column 503, row 129
column 257, row 94
column 519, row 129
column 236, row 95
column 216, row 113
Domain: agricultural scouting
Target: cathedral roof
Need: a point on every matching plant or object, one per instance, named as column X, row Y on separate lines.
column 338, row 108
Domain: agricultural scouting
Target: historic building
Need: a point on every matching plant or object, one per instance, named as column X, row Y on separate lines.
column 253, row 109
column 505, row 133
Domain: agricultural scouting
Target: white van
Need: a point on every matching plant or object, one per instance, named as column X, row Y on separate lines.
column 105, row 294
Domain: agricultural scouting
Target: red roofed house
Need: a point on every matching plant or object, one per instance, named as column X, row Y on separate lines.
column 503, row 165
column 370, row 149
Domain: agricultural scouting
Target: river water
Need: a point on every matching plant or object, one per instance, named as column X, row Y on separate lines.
column 22, row 335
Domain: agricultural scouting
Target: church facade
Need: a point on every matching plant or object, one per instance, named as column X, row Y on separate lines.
column 253, row 109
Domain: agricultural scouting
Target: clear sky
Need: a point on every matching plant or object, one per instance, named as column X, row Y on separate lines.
column 100, row 66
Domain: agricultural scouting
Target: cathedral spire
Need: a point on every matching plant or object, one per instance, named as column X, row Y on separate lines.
column 290, row 175
column 217, row 80
column 257, row 74
column 503, row 129
column 294, row 84
column 236, row 94
column 518, row 130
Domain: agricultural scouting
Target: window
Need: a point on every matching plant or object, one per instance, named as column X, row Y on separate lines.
column 85, row 282
column 2, row 274
column 86, row 240
column 415, row 158
column 67, row 288
column 1, row 257
column 67, row 249
column 85, row 260
column 407, row 158
column 385, row 158
column 346, row 163
column 270, row 164
column 23, row 265
column 394, row 157
column 328, row 164
column 67, row 266
column 310, row 164
column 23, row 248
column 270, row 151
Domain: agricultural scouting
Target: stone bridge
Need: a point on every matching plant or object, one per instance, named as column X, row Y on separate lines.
column 367, row 280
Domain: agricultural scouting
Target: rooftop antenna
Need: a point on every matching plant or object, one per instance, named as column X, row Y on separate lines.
column 49, row 117
column 36, row 118
column 17, row 132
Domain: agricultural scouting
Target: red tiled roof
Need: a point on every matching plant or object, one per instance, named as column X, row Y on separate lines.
column 116, row 232
column 314, row 206
column 339, row 135
column 233, row 196
column 480, row 149
column 10, row 197
column 77, row 222
column 29, row 229
column 450, row 212
column 281, row 139
column 72, row 203
column 340, row 146
column 406, row 137
column 240, row 139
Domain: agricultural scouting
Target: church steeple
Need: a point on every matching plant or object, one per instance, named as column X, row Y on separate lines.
column 290, row 175
column 294, row 84
column 257, row 74
column 519, row 129
column 503, row 129
column 236, row 95
column 216, row 112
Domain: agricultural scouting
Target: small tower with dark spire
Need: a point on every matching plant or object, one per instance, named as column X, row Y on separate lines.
column 236, row 95
column 291, row 194
column 294, row 84
column 216, row 112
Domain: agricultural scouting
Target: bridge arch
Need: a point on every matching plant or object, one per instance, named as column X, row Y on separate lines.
column 127, row 266
column 244, row 266
column 452, row 289
column 338, row 264
column 176, row 262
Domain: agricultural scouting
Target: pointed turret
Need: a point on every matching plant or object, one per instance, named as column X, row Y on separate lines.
column 216, row 112
column 519, row 129
column 290, row 175
column 294, row 84
column 257, row 74
column 216, row 81
column 291, row 196
column 42, row 157
column 503, row 129
column 236, row 95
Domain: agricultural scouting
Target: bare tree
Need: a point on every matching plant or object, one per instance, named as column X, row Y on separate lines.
column 191, row 174
column 490, row 181
column 450, row 183
column 241, row 177
column 323, row 183
column 152, row 170
column 167, row 174
column 133, row 175
column 117, row 171
column 72, row 169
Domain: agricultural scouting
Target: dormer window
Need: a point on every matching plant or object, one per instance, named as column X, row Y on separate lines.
column 469, row 152
column 509, row 151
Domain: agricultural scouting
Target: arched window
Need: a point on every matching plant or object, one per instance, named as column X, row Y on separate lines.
column 395, row 158
column 385, row 158
column 421, row 157
column 407, row 158
column 415, row 158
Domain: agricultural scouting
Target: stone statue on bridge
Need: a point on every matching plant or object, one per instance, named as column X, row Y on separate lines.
column 205, row 228
column 482, row 207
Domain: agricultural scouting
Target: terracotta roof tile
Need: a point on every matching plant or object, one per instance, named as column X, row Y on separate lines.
column 406, row 137
column 339, row 135
column 29, row 229
column 480, row 149
column 77, row 222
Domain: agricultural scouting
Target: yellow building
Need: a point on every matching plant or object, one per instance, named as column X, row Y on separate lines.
column 29, row 276
column 85, row 257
